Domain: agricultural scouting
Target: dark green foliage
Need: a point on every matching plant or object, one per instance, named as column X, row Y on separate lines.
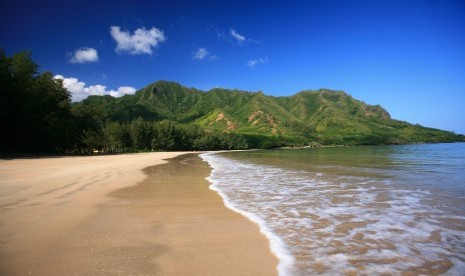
column 117, row 137
column 140, row 135
column 35, row 109
column 220, row 141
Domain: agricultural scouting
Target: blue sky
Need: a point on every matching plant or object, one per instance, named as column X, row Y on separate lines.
column 407, row 56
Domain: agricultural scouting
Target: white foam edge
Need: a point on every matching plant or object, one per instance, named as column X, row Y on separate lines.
column 277, row 246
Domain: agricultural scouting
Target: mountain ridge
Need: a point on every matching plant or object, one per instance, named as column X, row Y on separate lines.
column 324, row 116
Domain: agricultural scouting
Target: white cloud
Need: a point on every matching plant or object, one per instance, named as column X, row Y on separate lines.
column 202, row 53
column 122, row 90
column 80, row 91
column 240, row 38
column 253, row 62
column 84, row 55
column 142, row 41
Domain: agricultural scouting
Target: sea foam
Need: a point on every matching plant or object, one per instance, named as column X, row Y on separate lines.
column 319, row 222
column 277, row 246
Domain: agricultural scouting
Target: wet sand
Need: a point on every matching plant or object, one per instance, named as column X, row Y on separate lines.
column 104, row 216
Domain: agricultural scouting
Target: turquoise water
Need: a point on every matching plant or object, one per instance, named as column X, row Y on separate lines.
column 361, row 210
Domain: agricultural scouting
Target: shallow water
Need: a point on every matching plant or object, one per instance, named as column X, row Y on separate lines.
column 365, row 210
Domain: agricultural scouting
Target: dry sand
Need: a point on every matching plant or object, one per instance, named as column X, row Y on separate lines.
column 105, row 216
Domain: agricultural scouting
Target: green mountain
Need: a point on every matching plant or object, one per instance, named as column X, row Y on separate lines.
column 38, row 117
column 309, row 117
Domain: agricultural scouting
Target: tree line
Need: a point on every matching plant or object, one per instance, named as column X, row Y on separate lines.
column 141, row 135
column 37, row 116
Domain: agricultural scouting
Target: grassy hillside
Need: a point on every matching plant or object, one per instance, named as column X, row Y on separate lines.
column 309, row 117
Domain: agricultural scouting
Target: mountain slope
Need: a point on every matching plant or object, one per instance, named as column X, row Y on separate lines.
column 322, row 116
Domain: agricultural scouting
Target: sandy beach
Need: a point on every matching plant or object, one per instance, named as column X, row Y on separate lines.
column 130, row 214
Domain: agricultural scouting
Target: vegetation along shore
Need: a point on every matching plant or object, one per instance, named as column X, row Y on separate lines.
column 38, row 116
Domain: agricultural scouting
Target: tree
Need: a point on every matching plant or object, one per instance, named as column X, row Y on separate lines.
column 35, row 108
column 117, row 137
column 166, row 136
column 141, row 133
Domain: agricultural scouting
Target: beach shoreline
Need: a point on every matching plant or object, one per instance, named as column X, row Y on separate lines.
column 104, row 215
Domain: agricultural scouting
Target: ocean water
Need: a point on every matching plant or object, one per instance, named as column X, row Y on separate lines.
column 380, row 210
